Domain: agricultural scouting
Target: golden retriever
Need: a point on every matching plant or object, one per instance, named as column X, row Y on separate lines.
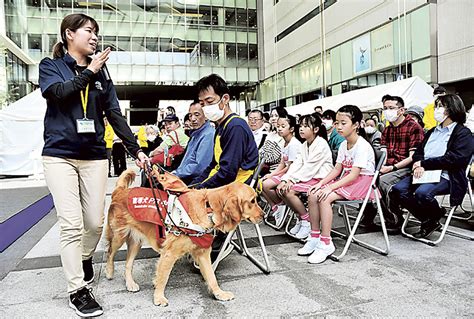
column 229, row 205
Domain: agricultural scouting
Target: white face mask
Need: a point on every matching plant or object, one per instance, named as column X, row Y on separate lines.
column 213, row 112
column 328, row 124
column 151, row 138
column 369, row 129
column 439, row 114
column 390, row 115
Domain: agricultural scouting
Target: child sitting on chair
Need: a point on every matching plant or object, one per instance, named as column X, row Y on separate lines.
column 291, row 150
column 356, row 160
column 313, row 164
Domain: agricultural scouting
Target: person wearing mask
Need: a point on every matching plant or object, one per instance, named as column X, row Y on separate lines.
column 373, row 135
column 400, row 140
column 200, row 146
column 445, row 152
column 235, row 151
column 334, row 139
column 78, row 93
column 153, row 137
column 428, row 117
column 256, row 121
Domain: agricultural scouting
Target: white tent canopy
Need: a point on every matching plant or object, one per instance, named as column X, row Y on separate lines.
column 414, row 91
column 21, row 135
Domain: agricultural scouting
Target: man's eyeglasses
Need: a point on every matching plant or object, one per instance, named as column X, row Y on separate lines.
column 254, row 119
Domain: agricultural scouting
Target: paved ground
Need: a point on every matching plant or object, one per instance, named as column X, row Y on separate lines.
column 415, row 280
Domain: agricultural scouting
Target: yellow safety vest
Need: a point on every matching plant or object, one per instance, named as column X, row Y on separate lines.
column 242, row 175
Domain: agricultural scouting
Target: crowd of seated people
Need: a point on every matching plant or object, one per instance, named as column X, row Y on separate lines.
column 327, row 156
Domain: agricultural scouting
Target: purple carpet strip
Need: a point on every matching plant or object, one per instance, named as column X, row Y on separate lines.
column 15, row 226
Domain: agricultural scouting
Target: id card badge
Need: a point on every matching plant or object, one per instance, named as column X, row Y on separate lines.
column 85, row 126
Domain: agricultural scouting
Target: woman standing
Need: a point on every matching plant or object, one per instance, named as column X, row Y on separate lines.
column 78, row 94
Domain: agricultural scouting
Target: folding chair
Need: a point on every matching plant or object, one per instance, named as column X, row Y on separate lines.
column 468, row 212
column 241, row 246
column 450, row 215
column 380, row 157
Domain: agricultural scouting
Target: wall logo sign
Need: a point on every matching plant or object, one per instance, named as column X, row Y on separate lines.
column 361, row 54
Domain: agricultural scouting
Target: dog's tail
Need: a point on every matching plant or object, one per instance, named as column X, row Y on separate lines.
column 125, row 179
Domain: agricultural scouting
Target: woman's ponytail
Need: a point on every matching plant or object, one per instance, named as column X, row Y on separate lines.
column 58, row 50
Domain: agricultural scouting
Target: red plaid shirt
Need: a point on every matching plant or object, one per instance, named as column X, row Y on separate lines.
column 400, row 140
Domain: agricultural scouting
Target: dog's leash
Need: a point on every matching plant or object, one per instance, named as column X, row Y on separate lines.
column 153, row 186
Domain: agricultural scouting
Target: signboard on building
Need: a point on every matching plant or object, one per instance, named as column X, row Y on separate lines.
column 361, row 54
column 382, row 47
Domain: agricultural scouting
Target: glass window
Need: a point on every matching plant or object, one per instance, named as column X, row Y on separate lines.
column 230, row 17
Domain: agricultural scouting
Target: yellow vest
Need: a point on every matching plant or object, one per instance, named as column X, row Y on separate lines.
column 109, row 136
column 428, row 117
column 242, row 175
column 141, row 136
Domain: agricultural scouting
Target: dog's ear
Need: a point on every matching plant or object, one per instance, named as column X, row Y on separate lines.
column 230, row 215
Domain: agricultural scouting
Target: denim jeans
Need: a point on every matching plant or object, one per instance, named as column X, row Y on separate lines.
column 420, row 199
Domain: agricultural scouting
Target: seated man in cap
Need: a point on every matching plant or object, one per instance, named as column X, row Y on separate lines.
column 174, row 135
column 417, row 113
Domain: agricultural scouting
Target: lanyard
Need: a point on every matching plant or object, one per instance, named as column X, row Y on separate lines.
column 84, row 100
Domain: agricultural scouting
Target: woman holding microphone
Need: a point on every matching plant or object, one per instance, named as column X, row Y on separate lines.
column 78, row 94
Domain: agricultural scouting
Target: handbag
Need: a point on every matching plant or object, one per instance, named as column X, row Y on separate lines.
column 166, row 157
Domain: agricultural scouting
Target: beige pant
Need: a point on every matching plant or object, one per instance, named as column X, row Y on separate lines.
column 78, row 188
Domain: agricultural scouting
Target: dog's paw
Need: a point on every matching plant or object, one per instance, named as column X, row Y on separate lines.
column 133, row 286
column 109, row 272
column 160, row 301
column 224, row 295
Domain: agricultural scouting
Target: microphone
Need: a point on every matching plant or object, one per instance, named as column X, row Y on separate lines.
column 104, row 69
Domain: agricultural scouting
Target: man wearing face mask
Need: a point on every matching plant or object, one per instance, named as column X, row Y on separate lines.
column 335, row 139
column 373, row 135
column 235, row 151
column 400, row 139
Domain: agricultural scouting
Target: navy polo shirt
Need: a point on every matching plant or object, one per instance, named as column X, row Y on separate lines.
column 60, row 128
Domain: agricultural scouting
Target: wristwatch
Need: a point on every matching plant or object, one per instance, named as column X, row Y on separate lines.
column 394, row 168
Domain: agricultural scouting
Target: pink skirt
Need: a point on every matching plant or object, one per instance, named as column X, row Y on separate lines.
column 357, row 190
column 301, row 187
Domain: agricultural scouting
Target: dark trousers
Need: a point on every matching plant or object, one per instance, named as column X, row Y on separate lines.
column 419, row 199
column 109, row 158
column 118, row 158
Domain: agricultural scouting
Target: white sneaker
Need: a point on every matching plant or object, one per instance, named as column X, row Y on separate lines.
column 321, row 253
column 279, row 214
column 308, row 248
column 295, row 229
column 304, row 230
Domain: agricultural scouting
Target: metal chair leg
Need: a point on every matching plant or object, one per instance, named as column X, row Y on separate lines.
column 352, row 230
column 281, row 223
column 444, row 230
column 242, row 248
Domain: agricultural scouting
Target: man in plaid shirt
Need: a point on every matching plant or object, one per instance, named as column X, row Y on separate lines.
column 400, row 139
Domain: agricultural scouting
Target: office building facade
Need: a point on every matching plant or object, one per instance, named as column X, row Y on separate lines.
column 160, row 47
column 327, row 47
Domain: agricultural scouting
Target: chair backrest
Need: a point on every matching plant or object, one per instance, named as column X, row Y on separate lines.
column 380, row 156
column 256, row 173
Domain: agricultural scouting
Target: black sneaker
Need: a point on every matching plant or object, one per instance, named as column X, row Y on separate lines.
column 84, row 303
column 88, row 270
